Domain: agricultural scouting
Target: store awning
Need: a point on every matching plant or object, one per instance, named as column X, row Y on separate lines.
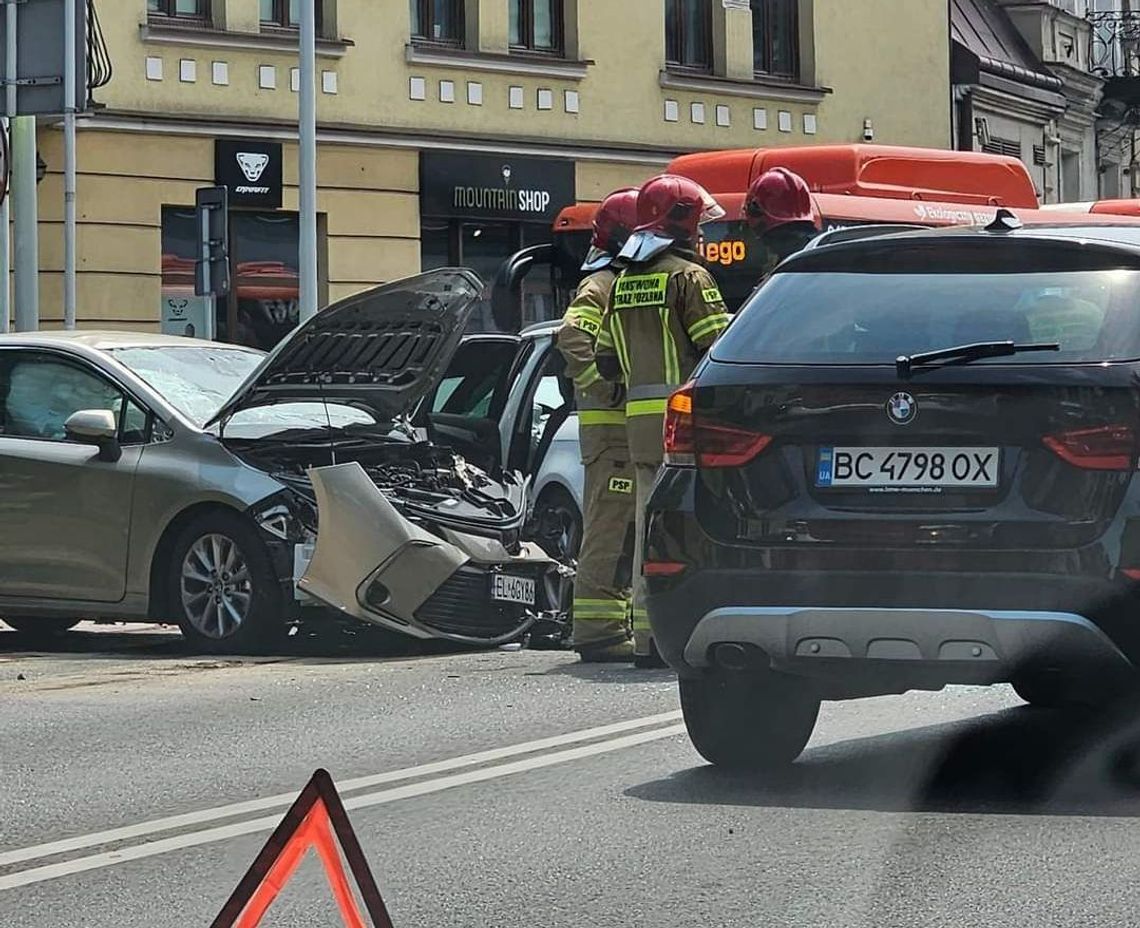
column 986, row 42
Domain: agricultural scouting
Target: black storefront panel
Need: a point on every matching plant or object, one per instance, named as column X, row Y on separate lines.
column 478, row 210
column 495, row 187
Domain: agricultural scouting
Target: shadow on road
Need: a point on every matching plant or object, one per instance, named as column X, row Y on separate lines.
column 1020, row 761
column 322, row 640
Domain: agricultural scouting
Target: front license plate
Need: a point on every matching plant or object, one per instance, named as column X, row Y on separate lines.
column 907, row 468
column 508, row 589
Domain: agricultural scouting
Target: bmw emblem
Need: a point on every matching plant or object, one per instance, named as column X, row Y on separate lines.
column 901, row 408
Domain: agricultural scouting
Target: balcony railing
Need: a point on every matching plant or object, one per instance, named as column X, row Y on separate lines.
column 1115, row 41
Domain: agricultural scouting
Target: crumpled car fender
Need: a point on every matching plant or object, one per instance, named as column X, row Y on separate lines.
column 363, row 539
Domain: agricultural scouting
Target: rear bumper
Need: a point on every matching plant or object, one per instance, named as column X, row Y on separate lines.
column 909, row 648
column 881, row 632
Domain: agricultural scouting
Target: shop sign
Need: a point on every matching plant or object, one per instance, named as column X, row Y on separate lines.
column 186, row 314
column 494, row 187
column 251, row 169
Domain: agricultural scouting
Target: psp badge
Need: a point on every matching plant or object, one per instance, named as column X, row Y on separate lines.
column 901, row 408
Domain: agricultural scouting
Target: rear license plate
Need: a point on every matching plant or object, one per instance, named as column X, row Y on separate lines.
column 908, row 469
column 508, row 589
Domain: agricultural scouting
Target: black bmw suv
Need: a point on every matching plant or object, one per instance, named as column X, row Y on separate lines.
column 908, row 463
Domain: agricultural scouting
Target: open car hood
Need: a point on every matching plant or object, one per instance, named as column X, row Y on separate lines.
column 382, row 350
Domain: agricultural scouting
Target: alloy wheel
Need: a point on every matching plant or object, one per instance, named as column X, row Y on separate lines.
column 216, row 587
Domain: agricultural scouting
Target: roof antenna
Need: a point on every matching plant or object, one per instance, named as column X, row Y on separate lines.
column 1004, row 221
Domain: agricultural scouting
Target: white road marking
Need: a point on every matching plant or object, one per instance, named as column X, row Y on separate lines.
column 281, row 800
column 422, row 788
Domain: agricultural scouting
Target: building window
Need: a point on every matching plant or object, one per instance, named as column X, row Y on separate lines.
column 437, row 22
column 775, row 38
column 286, row 14
column 536, row 26
column 484, row 246
column 262, row 307
column 688, row 34
column 182, row 9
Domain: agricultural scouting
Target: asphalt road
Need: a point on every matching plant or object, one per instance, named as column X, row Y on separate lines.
column 137, row 782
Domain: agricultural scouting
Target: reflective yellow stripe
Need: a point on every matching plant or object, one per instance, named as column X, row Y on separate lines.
column 605, row 338
column 589, row 417
column 619, row 344
column 601, row 609
column 581, row 311
column 588, row 377
column 669, row 350
column 710, row 325
column 646, row 407
column 641, row 621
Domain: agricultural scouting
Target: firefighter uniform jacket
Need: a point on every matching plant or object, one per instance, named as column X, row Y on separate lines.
column 662, row 316
column 601, row 414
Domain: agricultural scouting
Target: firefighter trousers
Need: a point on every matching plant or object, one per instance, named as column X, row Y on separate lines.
column 601, row 588
column 644, row 477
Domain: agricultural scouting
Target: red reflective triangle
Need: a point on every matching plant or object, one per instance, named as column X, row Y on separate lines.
column 316, row 820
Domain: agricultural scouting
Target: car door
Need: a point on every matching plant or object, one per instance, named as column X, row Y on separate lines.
column 64, row 510
column 465, row 409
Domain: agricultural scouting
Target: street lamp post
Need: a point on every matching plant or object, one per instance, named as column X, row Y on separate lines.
column 307, row 159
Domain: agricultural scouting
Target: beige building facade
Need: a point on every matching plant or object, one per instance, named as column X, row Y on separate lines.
column 450, row 131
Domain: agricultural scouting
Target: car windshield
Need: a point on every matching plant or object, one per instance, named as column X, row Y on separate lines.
column 194, row 380
column 198, row 380
column 852, row 318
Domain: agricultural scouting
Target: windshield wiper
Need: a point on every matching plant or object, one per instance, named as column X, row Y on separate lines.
column 964, row 354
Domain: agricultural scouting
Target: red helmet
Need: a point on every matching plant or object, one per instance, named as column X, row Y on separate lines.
column 674, row 207
column 776, row 198
column 613, row 223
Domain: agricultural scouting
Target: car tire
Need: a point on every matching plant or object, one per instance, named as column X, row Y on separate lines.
column 222, row 587
column 39, row 627
column 1043, row 689
column 1052, row 689
column 743, row 722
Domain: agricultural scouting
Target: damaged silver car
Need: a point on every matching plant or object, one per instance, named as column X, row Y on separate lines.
column 211, row 486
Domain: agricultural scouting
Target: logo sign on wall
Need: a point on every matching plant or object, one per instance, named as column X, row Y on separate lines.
column 494, row 186
column 251, row 169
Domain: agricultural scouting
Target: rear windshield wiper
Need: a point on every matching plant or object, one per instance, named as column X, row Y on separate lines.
column 964, row 354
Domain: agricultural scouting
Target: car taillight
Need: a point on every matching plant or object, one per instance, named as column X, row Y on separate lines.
column 690, row 440
column 1106, row 447
column 663, row 568
column 725, row 446
column 679, row 427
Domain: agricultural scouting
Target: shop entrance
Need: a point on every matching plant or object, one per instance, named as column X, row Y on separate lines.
column 483, row 247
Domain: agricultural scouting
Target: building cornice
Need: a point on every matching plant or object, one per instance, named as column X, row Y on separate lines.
column 153, row 33
column 381, row 137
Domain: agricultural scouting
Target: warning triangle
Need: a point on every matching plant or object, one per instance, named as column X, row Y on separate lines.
column 316, row 820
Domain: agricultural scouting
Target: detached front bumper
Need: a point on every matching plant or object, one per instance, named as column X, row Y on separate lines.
column 372, row 563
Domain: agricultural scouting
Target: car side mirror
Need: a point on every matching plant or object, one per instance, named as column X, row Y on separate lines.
column 96, row 427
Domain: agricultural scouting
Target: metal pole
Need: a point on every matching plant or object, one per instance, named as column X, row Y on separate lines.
column 5, row 124
column 211, row 301
column 307, row 160
column 27, row 223
column 69, row 77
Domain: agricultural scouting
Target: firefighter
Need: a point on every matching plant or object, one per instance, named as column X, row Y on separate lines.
column 781, row 213
column 665, row 311
column 601, row 588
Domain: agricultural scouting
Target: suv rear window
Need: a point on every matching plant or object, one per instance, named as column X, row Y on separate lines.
column 858, row 318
